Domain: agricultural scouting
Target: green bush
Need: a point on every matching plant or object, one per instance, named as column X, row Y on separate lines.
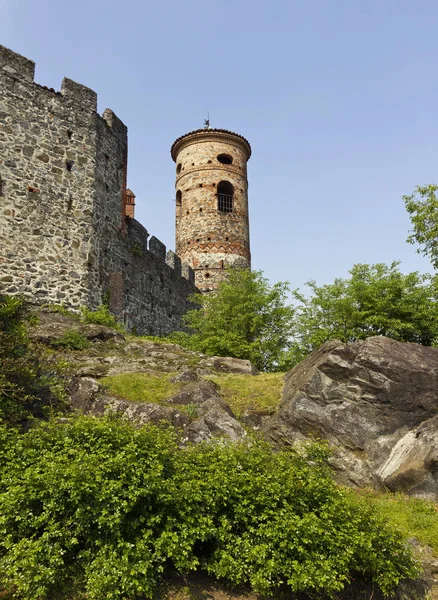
column 101, row 508
column 28, row 388
column 72, row 340
column 100, row 316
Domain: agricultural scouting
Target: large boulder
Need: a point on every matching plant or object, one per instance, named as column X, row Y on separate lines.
column 52, row 326
column 211, row 417
column 376, row 402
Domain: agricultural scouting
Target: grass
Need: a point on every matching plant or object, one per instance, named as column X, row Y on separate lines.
column 414, row 517
column 244, row 393
column 248, row 393
column 141, row 387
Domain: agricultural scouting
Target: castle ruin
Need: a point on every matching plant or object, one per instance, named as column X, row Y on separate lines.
column 67, row 229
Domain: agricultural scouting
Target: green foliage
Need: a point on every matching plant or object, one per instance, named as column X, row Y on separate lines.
column 27, row 387
column 72, row 340
column 102, row 508
column 100, row 316
column 414, row 517
column 141, row 387
column 422, row 207
column 137, row 249
column 246, row 318
column 60, row 309
column 375, row 300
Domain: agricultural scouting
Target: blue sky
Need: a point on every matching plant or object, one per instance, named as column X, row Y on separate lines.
column 338, row 99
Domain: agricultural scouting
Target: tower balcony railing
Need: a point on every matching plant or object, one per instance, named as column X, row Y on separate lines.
column 225, row 203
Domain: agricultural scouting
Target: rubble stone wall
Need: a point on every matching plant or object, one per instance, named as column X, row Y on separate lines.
column 64, row 236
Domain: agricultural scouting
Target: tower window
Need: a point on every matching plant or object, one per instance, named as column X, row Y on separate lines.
column 1, row 187
column 225, row 192
column 225, row 159
column 178, row 168
column 178, row 198
column 69, row 165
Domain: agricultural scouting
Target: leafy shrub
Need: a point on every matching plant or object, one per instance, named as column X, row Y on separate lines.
column 72, row 340
column 100, row 316
column 103, row 508
column 27, row 387
column 60, row 309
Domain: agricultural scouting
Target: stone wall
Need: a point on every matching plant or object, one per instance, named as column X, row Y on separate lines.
column 206, row 238
column 64, row 236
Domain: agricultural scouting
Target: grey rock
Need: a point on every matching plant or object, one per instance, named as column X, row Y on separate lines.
column 186, row 376
column 233, row 365
column 83, row 392
column 53, row 326
column 374, row 401
column 143, row 412
column 217, row 421
column 196, row 392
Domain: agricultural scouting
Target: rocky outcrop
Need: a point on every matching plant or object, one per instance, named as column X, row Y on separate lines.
column 52, row 326
column 210, row 416
column 376, row 401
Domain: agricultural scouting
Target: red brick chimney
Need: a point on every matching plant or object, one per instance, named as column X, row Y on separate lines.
column 130, row 203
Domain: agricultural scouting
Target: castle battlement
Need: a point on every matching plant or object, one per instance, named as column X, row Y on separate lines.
column 64, row 234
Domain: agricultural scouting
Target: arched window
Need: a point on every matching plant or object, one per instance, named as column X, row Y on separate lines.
column 178, row 198
column 225, row 193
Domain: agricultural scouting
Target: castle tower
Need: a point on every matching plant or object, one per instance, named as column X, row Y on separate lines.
column 212, row 226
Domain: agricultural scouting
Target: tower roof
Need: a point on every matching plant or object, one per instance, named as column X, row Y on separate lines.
column 208, row 133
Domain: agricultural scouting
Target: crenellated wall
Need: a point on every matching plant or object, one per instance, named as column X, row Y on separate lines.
column 64, row 236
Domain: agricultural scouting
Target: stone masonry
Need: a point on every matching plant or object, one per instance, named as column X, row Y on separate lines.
column 64, row 234
column 212, row 224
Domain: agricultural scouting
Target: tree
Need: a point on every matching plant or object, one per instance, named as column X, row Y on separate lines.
column 246, row 318
column 375, row 300
column 422, row 206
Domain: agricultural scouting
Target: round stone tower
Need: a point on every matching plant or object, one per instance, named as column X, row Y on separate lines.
column 212, row 225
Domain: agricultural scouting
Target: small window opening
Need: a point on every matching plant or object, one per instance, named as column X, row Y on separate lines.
column 209, row 239
column 226, row 239
column 178, row 168
column 69, row 165
column 225, row 192
column 187, row 213
column 222, row 264
column 69, row 134
column 197, row 239
column 200, row 210
column 200, row 185
column 179, row 198
column 193, row 164
column 207, row 275
column 1, row 187
column 225, row 159
column 209, row 162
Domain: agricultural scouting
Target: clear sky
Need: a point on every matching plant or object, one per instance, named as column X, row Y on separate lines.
column 338, row 98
